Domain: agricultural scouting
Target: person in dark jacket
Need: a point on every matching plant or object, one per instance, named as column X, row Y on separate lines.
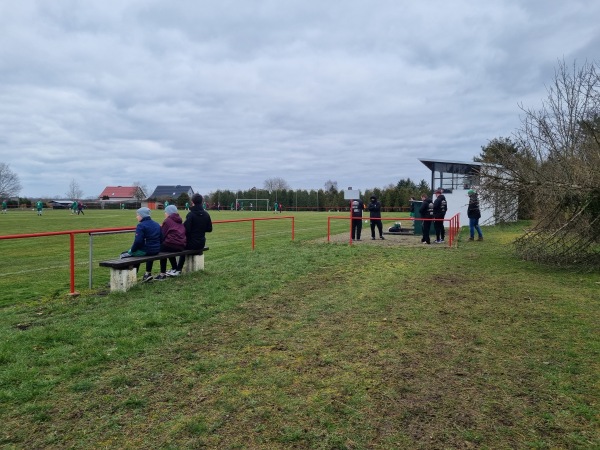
column 174, row 240
column 147, row 239
column 375, row 214
column 474, row 214
column 440, row 206
column 357, row 209
column 197, row 223
column 426, row 212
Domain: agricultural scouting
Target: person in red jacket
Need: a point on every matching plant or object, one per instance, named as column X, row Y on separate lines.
column 174, row 239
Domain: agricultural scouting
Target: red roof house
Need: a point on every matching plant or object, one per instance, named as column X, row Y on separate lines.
column 119, row 193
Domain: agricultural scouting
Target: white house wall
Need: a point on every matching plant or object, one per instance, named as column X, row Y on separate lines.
column 458, row 201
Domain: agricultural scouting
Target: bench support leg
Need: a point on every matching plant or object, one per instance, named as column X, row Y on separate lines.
column 122, row 280
column 193, row 263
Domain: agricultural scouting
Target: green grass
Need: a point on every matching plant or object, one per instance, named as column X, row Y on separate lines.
column 298, row 344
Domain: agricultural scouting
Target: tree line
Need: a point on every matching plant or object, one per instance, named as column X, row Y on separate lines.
column 393, row 197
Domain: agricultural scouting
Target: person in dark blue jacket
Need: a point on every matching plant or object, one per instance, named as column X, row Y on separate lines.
column 440, row 206
column 426, row 212
column 357, row 209
column 375, row 214
column 147, row 240
column 197, row 223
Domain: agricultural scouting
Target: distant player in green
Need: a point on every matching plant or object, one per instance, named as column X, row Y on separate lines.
column 187, row 206
column 74, row 207
column 166, row 204
column 275, row 207
column 4, row 206
column 39, row 206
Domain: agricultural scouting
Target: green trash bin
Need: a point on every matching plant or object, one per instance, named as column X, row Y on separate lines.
column 418, row 224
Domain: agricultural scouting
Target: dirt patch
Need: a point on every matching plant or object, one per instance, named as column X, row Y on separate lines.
column 390, row 240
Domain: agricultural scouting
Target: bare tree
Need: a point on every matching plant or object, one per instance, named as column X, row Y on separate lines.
column 331, row 186
column 74, row 191
column 555, row 166
column 276, row 184
column 140, row 191
column 9, row 182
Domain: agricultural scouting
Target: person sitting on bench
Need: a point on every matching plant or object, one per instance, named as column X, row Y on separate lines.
column 173, row 233
column 197, row 223
column 147, row 240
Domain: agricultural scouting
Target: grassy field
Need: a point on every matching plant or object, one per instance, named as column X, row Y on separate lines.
column 302, row 344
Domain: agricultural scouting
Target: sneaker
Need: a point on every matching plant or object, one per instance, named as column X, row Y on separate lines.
column 373, row 238
column 381, row 237
column 437, row 242
column 147, row 277
column 471, row 239
column 173, row 273
column 161, row 277
column 169, row 272
column 480, row 238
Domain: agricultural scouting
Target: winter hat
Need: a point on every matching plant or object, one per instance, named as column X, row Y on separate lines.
column 144, row 212
column 439, row 191
column 471, row 192
column 171, row 209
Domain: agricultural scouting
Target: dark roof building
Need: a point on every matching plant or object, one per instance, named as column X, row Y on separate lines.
column 166, row 192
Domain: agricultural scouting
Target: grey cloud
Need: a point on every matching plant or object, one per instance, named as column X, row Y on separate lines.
column 153, row 90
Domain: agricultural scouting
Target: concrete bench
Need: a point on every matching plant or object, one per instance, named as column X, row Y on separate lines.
column 123, row 273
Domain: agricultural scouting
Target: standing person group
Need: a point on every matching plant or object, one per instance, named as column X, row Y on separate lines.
column 440, row 206
column 375, row 214
column 357, row 209
column 474, row 214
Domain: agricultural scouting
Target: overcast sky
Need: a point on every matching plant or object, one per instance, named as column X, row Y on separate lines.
column 226, row 94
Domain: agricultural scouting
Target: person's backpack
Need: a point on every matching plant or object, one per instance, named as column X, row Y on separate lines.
column 444, row 206
column 430, row 209
column 395, row 228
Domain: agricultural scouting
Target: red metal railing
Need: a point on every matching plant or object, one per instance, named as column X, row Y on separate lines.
column 255, row 219
column 72, row 233
column 453, row 224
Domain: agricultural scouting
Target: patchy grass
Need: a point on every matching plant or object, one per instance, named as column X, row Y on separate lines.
column 314, row 345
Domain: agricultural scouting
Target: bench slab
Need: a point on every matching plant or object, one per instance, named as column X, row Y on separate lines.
column 123, row 272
